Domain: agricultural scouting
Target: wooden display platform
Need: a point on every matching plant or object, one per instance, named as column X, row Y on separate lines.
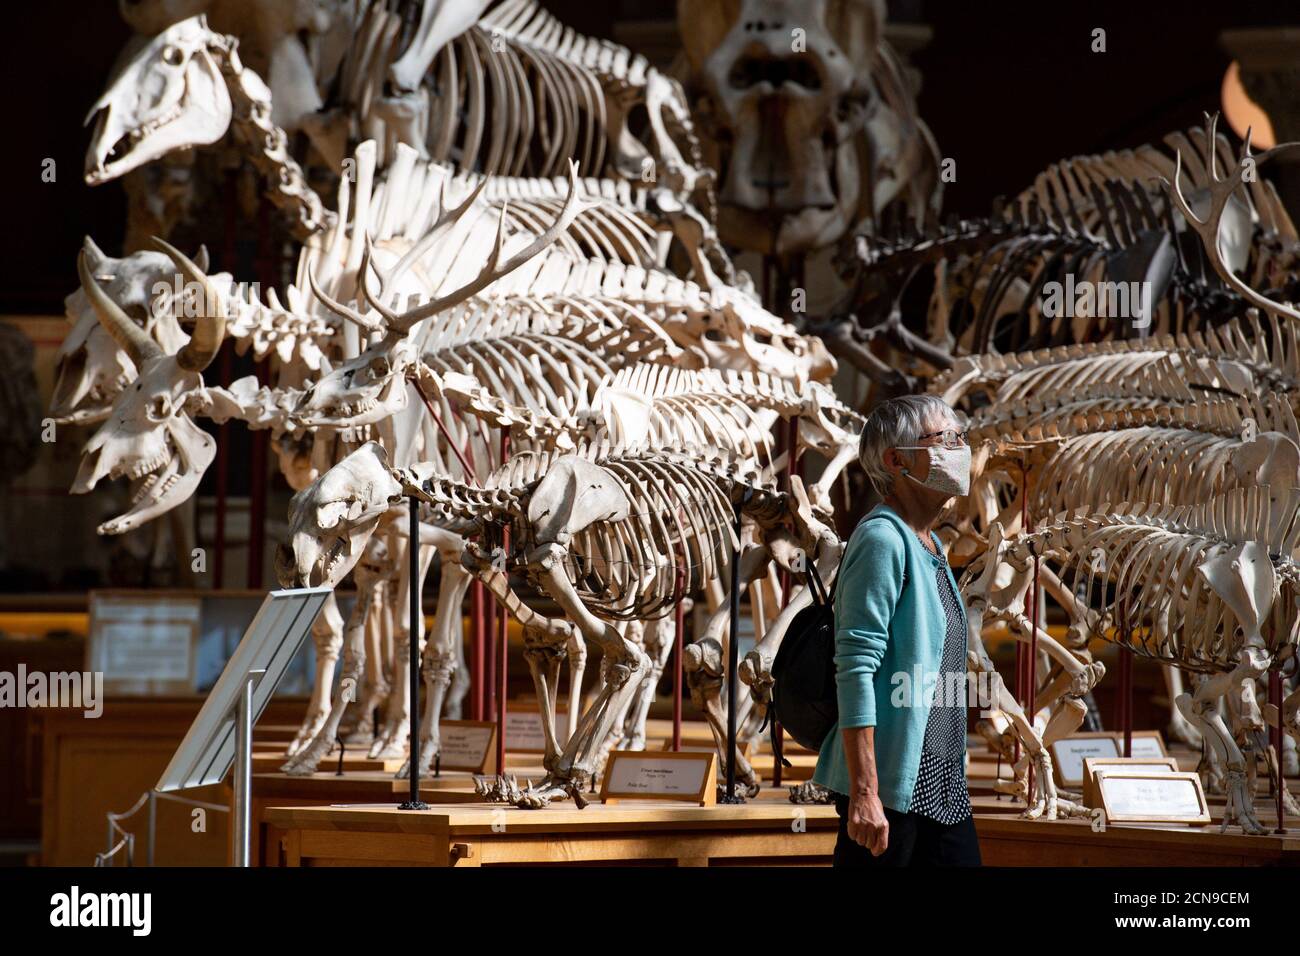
column 766, row 832
column 1008, row 840
column 354, row 786
column 760, row 832
column 270, row 761
column 92, row 767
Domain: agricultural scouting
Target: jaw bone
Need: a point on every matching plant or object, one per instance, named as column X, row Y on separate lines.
column 171, row 96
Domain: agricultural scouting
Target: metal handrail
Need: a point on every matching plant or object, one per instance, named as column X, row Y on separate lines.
column 128, row 839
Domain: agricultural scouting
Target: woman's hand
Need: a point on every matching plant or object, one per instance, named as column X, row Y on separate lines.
column 868, row 825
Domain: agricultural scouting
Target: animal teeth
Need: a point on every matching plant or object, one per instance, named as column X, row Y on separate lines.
column 144, row 489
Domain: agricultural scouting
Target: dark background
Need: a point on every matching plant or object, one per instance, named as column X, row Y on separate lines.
column 1009, row 87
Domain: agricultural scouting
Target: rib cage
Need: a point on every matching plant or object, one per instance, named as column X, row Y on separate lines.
column 1269, row 350
column 681, row 514
column 1137, row 564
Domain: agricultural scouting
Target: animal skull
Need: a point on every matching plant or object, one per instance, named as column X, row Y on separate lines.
column 815, row 125
column 364, row 390
column 172, row 95
column 149, row 436
column 91, row 369
column 331, row 520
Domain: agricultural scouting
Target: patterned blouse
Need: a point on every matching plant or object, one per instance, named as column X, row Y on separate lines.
column 940, row 791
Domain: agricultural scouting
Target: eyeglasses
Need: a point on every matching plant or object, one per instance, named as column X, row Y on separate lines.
column 951, row 438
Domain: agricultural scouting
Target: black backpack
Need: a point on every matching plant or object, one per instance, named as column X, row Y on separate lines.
column 803, row 693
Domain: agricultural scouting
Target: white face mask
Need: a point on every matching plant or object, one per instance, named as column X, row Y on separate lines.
column 949, row 468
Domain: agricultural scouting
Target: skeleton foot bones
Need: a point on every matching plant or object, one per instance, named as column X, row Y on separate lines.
column 1209, row 587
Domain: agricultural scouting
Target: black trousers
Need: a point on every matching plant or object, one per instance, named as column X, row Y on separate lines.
column 914, row 840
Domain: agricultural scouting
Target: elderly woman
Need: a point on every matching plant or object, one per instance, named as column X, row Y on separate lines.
column 896, row 759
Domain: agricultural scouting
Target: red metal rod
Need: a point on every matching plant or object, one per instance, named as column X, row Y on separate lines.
column 1020, row 647
column 266, row 274
column 257, row 496
column 469, row 472
column 1031, row 662
column 490, row 656
column 1128, row 701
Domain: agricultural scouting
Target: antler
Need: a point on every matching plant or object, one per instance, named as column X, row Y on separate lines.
column 204, row 344
column 1221, row 191
column 493, row 270
column 445, row 216
column 435, row 231
column 133, row 339
column 352, row 315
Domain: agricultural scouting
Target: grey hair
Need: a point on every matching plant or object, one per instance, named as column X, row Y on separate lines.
column 894, row 422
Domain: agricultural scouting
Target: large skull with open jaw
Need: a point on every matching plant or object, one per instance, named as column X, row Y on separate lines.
column 92, row 369
column 815, row 126
column 149, row 436
column 331, row 520
column 170, row 96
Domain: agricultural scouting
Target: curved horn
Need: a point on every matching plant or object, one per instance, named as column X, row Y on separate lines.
column 133, row 339
column 204, row 344
column 97, row 257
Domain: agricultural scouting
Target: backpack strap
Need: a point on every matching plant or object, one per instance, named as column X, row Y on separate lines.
column 815, row 585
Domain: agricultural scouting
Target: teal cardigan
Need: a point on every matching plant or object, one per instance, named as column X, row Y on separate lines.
column 889, row 635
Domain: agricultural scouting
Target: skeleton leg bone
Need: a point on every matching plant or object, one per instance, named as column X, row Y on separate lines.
column 327, row 634
column 626, row 663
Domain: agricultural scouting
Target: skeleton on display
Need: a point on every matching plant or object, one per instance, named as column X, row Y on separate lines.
column 1210, row 587
column 1224, row 467
column 550, row 94
column 1093, row 251
column 663, row 407
column 599, row 334
column 190, row 64
column 603, row 531
column 809, row 119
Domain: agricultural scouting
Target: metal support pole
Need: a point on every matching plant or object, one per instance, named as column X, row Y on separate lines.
column 1021, row 673
column 490, row 656
column 1126, row 698
column 792, row 467
column 733, row 664
column 505, row 637
column 1031, row 664
column 241, row 812
column 1275, row 732
column 153, row 822
column 413, row 801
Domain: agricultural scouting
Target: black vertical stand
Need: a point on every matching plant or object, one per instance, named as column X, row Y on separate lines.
column 413, row 766
column 733, row 660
